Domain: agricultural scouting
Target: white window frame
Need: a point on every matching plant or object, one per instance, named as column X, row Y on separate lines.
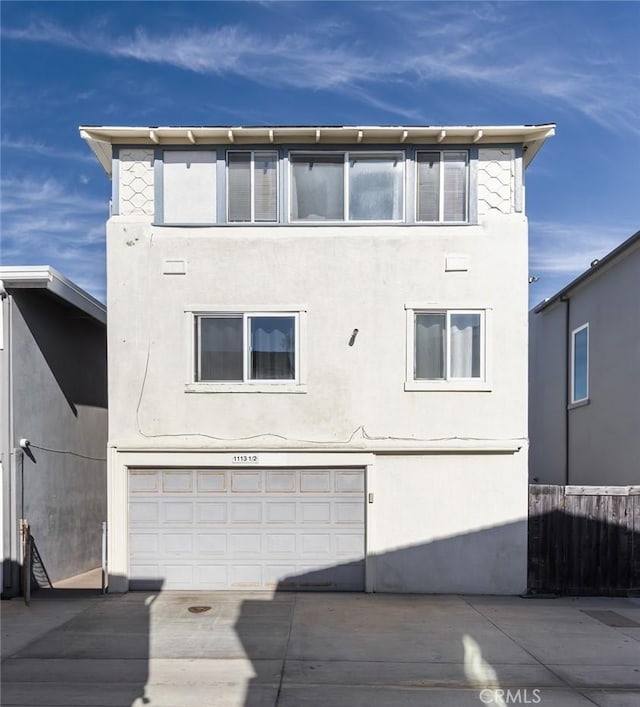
column 247, row 385
column 574, row 333
column 448, row 383
column 252, row 185
column 440, row 187
column 346, row 155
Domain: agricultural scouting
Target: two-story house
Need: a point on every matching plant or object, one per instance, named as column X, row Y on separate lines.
column 318, row 356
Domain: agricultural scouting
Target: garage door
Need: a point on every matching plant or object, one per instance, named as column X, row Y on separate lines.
column 246, row 529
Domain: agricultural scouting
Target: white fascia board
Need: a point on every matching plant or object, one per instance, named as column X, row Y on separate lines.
column 47, row 278
column 100, row 138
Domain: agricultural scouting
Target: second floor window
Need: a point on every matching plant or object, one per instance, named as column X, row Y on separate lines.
column 448, row 345
column 246, row 347
column 252, row 186
column 580, row 364
column 357, row 186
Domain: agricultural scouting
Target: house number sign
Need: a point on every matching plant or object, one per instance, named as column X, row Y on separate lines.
column 245, row 459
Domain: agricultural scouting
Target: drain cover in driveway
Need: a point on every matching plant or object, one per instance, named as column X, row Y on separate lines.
column 198, row 609
column 611, row 618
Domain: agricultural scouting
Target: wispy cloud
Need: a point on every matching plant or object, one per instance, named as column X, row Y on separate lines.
column 420, row 44
column 569, row 249
column 36, row 147
column 46, row 223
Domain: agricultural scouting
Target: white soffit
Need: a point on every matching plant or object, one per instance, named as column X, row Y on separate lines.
column 101, row 138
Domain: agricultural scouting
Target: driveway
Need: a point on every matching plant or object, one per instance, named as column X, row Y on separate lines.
column 301, row 649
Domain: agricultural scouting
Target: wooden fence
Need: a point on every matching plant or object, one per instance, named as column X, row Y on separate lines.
column 584, row 540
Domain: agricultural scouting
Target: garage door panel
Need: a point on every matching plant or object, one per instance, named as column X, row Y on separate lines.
column 349, row 482
column 246, row 481
column 316, row 512
column 180, row 543
column 177, row 512
column 280, row 481
column 246, row 576
column 245, row 512
column 211, row 481
column 144, row 512
column 247, row 529
column 212, row 576
column 177, row 481
column 349, row 512
column 280, row 544
column 211, row 512
column 245, row 543
column 315, row 481
column 210, row 543
column 144, row 481
column 281, row 512
column 144, row 543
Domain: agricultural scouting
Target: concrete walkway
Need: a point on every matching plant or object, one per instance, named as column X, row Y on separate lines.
column 329, row 650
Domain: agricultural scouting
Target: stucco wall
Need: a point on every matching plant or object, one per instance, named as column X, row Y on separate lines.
column 345, row 278
column 604, row 446
column 59, row 402
column 547, row 395
column 604, row 440
column 451, row 523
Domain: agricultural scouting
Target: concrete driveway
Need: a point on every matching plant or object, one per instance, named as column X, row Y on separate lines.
column 298, row 650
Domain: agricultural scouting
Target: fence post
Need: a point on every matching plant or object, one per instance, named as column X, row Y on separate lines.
column 104, row 557
column 25, row 534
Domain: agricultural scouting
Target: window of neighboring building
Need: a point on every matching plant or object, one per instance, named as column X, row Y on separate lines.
column 189, row 187
column 356, row 186
column 441, row 186
column 448, row 345
column 247, row 347
column 252, row 186
column 580, row 364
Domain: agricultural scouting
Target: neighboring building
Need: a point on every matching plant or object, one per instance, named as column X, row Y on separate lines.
column 53, row 393
column 584, row 379
column 318, row 357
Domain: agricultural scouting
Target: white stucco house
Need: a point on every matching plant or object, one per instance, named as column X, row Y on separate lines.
column 318, row 356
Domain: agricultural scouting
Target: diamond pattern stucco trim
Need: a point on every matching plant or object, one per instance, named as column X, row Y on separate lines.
column 136, row 182
column 496, row 181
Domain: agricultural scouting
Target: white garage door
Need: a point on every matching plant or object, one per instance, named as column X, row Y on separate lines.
column 246, row 529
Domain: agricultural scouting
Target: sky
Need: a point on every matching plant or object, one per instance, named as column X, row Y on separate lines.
column 66, row 64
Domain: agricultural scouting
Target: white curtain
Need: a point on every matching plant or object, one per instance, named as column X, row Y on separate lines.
column 465, row 346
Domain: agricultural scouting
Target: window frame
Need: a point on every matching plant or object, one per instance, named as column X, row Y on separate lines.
column 416, row 188
column 247, row 384
column 252, row 153
column 346, row 186
column 448, row 383
column 572, row 397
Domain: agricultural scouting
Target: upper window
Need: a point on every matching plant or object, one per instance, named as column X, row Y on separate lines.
column 252, row 187
column 189, row 187
column 580, row 364
column 247, row 347
column 345, row 186
column 448, row 345
column 441, row 186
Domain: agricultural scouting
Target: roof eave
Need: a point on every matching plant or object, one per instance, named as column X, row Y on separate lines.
column 101, row 138
column 47, row 278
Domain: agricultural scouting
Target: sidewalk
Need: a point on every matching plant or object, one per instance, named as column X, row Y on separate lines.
column 182, row 649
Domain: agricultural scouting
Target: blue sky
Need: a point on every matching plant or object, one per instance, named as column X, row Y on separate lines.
column 367, row 63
